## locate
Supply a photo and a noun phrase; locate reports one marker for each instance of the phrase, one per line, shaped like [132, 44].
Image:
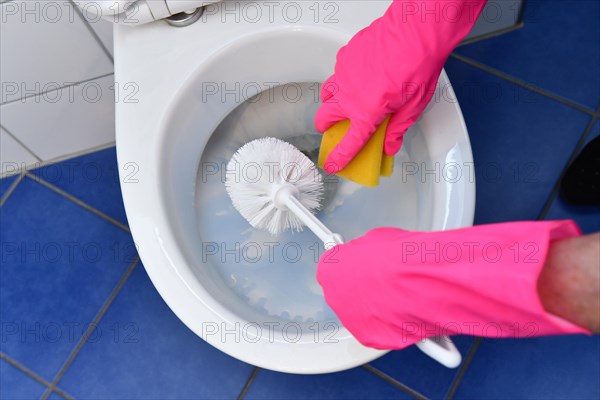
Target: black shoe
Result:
[581, 183]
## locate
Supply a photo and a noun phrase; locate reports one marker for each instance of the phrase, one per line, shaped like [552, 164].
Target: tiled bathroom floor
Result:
[80, 317]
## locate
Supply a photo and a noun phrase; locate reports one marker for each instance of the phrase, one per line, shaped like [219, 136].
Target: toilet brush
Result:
[276, 187]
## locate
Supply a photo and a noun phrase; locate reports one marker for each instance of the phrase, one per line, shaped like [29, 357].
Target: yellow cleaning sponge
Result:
[369, 164]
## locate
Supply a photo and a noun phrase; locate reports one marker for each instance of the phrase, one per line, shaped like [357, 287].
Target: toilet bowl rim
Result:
[159, 276]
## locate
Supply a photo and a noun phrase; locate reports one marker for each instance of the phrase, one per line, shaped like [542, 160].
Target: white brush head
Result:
[258, 169]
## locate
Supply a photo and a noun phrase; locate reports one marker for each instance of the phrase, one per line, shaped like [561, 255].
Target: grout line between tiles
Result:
[16, 139]
[78, 202]
[24, 369]
[32, 374]
[91, 328]
[463, 369]
[92, 31]
[11, 189]
[574, 154]
[248, 383]
[394, 382]
[490, 35]
[522, 83]
[61, 158]
[22, 99]
[62, 393]
[69, 156]
[76, 154]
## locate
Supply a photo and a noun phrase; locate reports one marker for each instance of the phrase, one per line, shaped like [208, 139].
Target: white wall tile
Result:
[102, 27]
[65, 121]
[13, 156]
[45, 44]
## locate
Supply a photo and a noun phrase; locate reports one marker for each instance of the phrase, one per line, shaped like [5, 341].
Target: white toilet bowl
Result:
[203, 91]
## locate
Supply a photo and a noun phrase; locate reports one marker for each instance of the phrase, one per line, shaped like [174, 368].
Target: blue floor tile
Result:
[146, 352]
[587, 217]
[521, 142]
[421, 373]
[92, 178]
[357, 383]
[16, 385]
[5, 184]
[557, 49]
[565, 367]
[59, 264]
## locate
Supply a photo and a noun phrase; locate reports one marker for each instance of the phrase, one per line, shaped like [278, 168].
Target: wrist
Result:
[569, 284]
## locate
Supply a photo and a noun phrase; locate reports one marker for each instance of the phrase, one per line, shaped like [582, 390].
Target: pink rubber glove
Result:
[391, 288]
[391, 67]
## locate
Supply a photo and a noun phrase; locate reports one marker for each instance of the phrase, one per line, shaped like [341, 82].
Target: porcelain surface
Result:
[231, 83]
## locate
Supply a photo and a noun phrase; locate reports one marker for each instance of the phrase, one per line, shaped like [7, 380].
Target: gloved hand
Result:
[391, 288]
[391, 67]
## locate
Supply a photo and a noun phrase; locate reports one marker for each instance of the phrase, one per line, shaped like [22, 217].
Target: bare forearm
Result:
[569, 285]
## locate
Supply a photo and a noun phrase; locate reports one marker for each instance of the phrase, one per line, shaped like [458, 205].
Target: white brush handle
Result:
[440, 348]
[286, 196]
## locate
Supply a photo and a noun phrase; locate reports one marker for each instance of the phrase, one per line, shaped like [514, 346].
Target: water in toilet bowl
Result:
[276, 274]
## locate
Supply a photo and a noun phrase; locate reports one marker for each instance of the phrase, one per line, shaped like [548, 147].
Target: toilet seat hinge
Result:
[184, 19]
